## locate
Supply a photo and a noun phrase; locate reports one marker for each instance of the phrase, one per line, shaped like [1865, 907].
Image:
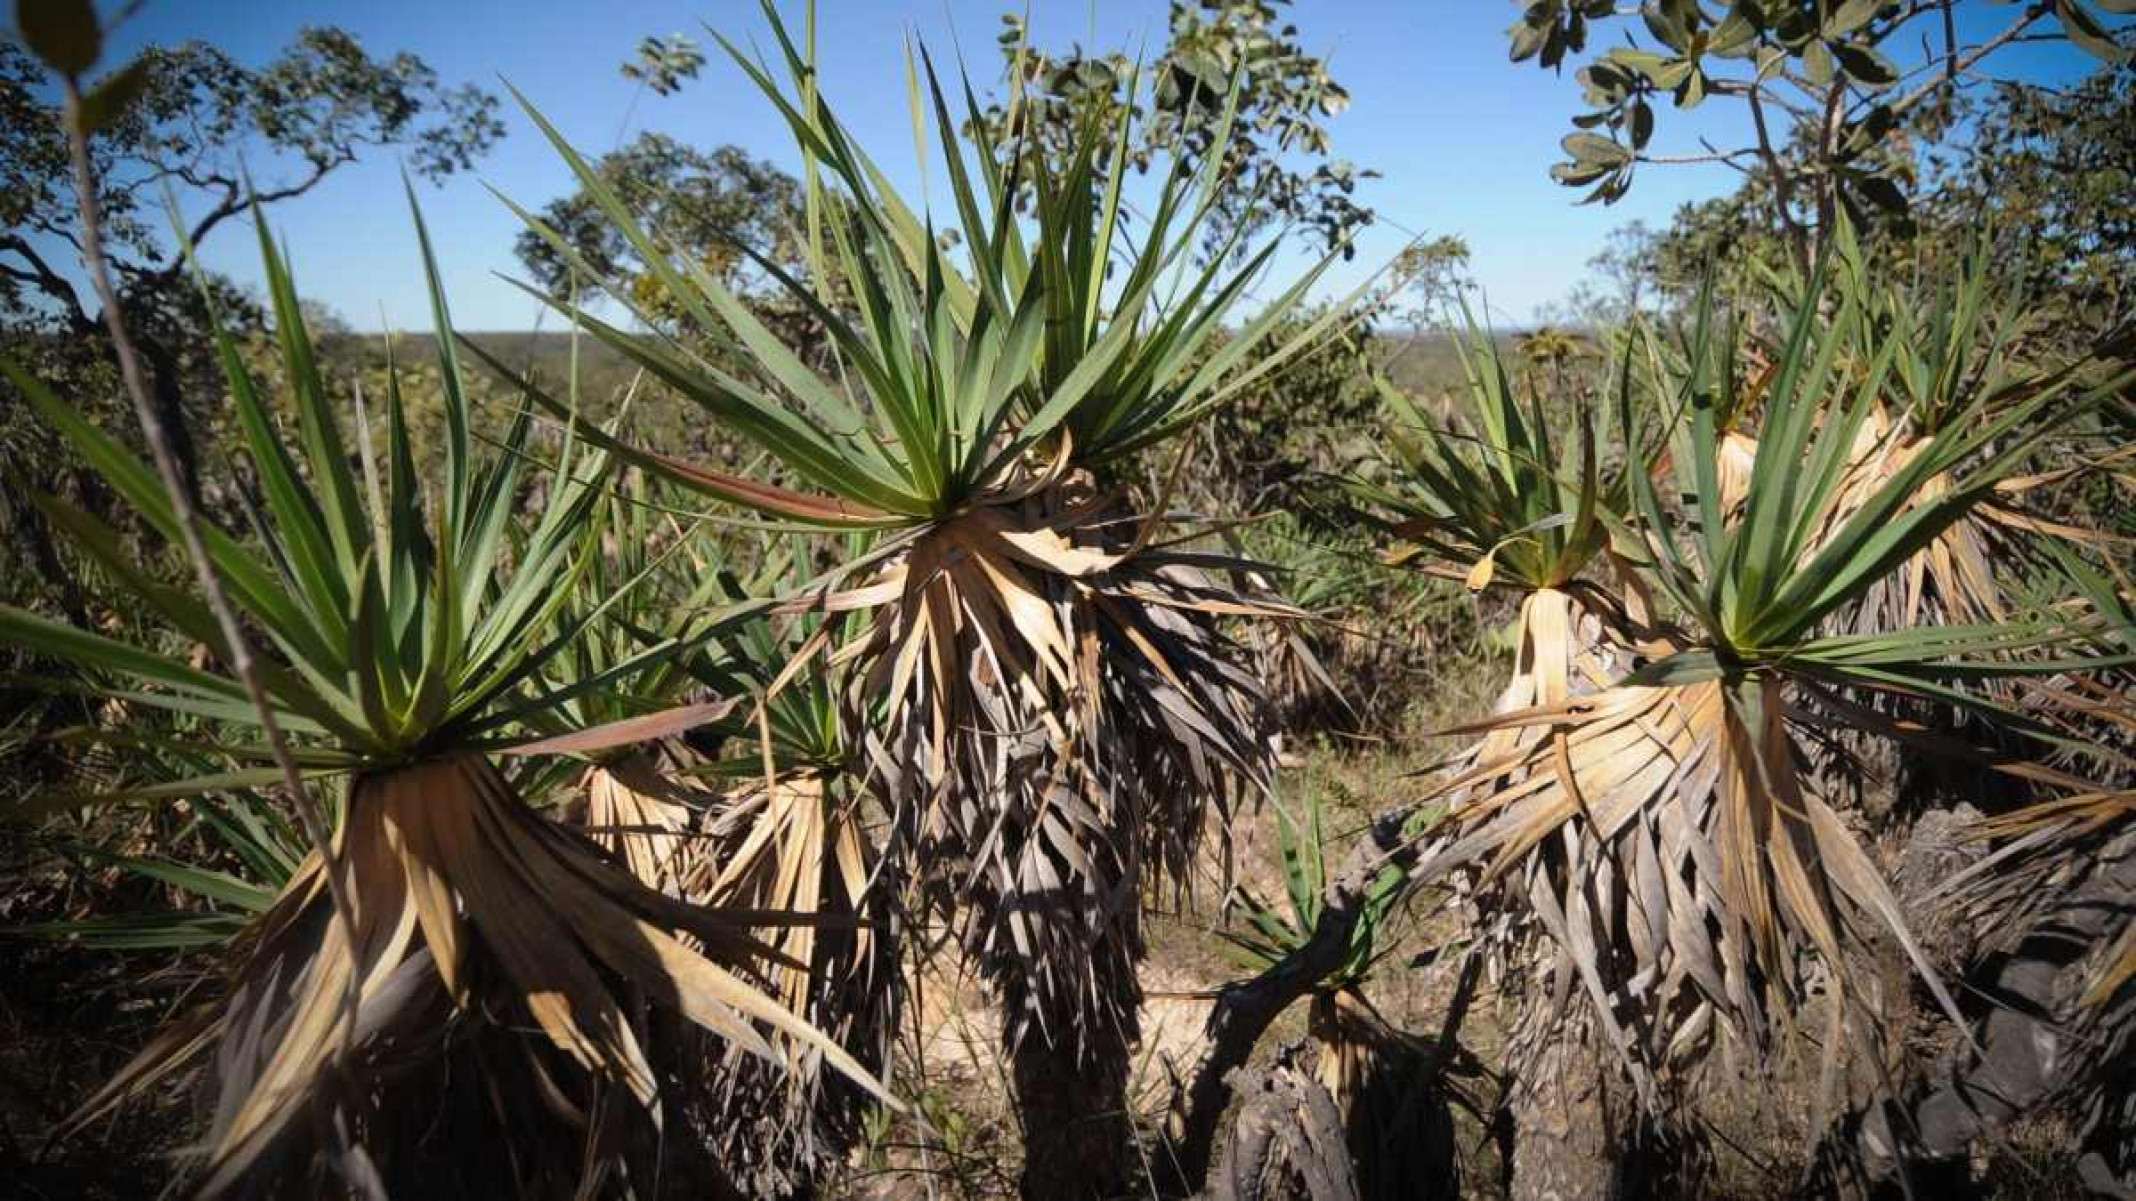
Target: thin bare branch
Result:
[309, 811]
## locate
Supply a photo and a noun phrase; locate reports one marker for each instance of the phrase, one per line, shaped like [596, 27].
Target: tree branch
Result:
[1244, 1011]
[1724, 157]
[1783, 187]
[2033, 12]
[1827, 145]
[47, 281]
[309, 813]
[235, 201]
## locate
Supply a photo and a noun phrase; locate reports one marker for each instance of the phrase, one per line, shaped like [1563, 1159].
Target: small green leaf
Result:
[2085, 30]
[1674, 72]
[1693, 91]
[109, 100]
[1851, 16]
[1574, 175]
[1866, 65]
[61, 33]
[1594, 148]
[1666, 29]
[1733, 37]
[1817, 63]
[1526, 40]
[1646, 62]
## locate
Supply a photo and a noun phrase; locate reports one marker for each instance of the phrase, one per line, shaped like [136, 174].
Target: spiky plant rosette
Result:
[1273, 931]
[404, 629]
[1955, 353]
[1394, 1090]
[789, 830]
[749, 809]
[649, 609]
[1035, 666]
[1498, 500]
[1340, 667]
[1705, 882]
[1510, 498]
[1958, 352]
[1488, 499]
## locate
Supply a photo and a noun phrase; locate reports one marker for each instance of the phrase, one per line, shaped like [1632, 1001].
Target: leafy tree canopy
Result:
[710, 205]
[1822, 80]
[196, 122]
[1279, 157]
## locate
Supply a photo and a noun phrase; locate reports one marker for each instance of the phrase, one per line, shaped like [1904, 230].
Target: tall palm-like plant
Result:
[1957, 355]
[790, 830]
[755, 809]
[1511, 498]
[409, 625]
[1704, 878]
[1039, 681]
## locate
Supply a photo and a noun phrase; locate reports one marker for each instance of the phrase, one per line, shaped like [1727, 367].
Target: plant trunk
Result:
[1287, 1142]
[1392, 1093]
[1071, 1098]
[2040, 1045]
[1568, 1124]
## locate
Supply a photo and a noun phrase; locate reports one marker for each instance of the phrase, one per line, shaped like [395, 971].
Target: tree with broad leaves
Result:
[189, 122]
[2051, 172]
[718, 206]
[216, 136]
[1278, 157]
[1819, 78]
[2044, 172]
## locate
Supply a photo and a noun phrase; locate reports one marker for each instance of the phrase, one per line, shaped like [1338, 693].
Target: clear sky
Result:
[1462, 138]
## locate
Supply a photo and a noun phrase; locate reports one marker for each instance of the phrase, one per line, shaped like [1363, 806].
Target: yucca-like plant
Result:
[1955, 354]
[1510, 497]
[647, 611]
[1695, 872]
[1290, 656]
[790, 830]
[1038, 679]
[753, 808]
[409, 627]
[1275, 930]
[246, 851]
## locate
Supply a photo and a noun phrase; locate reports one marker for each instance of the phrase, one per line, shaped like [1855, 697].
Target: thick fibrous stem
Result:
[1071, 1097]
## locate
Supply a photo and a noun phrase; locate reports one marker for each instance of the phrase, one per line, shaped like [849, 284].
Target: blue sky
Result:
[1461, 137]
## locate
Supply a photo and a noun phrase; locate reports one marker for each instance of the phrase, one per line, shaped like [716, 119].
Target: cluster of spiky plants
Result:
[1009, 706]
[1032, 668]
[792, 829]
[1363, 648]
[413, 628]
[1644, 792]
